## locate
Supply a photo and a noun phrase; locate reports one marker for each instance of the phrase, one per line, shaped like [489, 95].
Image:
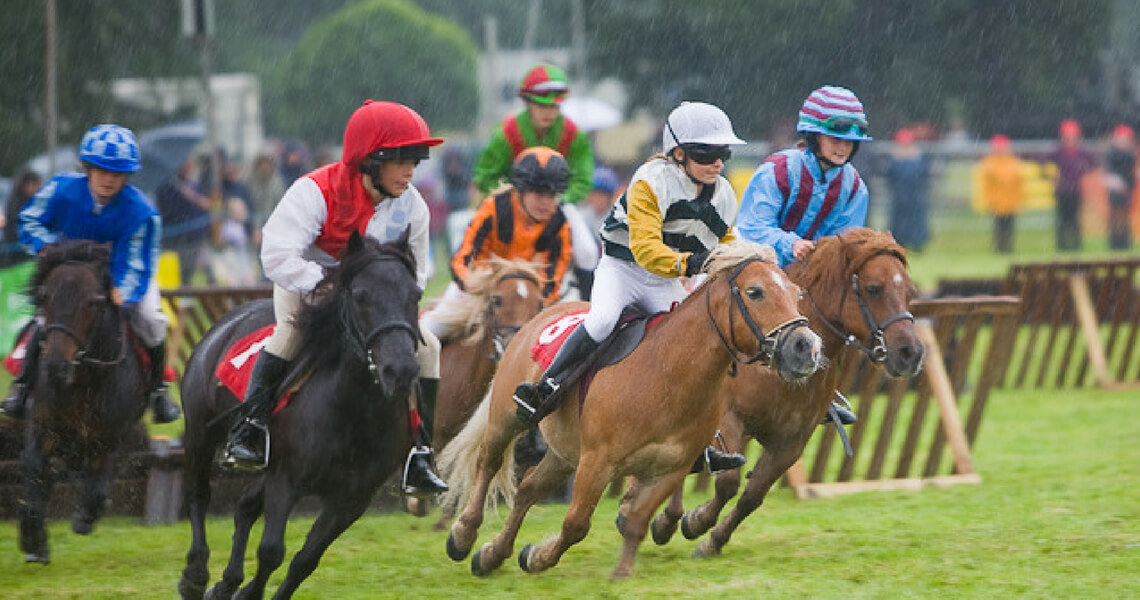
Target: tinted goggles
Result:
[416, 153]
[844, 125]
[703, 154]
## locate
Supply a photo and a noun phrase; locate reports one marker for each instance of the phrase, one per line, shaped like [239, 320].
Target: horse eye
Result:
[360, 296]
[755, 293]
[496, 301]
[875, 291]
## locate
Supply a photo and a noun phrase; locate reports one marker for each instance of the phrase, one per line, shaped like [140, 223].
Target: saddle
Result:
[621, 343]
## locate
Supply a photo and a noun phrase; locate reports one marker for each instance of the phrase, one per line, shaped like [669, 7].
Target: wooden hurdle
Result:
[898, 442]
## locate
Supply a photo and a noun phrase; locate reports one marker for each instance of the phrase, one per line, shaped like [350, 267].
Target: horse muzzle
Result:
[905, 359]
[799, 354]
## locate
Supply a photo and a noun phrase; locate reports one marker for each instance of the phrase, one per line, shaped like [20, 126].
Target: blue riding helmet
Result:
[111, 147]
[605, 179]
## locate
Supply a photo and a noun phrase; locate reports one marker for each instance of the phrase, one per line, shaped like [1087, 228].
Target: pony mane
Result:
[726, 256]
[93, 254]
[468, 313]
[836, 257]
[323, 321]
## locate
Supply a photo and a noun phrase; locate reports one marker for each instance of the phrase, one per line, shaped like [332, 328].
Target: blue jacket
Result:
[790, 198]
[65, 209]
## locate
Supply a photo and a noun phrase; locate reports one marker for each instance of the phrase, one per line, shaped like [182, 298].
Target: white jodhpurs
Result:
[618, 284]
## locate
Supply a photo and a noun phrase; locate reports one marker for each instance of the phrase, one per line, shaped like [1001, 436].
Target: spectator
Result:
[1072, 162]
[294, 162]
[908, 175]
[1002, 183]
[265, 190]
[232, 262]
[185, 211]
[1120, 164]
[26, 186]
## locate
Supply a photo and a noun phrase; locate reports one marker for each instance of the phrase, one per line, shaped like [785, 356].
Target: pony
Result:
[343, 433]
[90, 387]
[649, 415]
[856, 294]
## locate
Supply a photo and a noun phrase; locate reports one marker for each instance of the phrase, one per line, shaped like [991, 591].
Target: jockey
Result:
[804, 193]
[368, 191]
[676, 209]
[523, 222]
[542, 123]
[100, 206]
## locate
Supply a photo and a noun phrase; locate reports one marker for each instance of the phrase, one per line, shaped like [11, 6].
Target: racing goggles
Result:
[704, 154]
[415, 153]
[843, 125]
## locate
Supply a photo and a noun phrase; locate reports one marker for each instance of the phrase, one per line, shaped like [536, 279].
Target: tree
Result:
[381, 49]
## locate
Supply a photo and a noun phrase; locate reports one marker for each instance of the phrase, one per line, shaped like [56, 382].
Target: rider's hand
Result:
[800, 248]
[695, 262]
[117, 296]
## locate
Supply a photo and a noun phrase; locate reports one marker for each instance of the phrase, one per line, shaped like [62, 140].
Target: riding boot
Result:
[15, 405]
[845, 415]
[717, 461]
[248, 446]
[531, 398]
[165, 410]
[419, 478]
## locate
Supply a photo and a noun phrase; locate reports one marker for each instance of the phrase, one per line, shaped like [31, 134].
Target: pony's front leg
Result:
[37, 488]
[665, 525]
[196, 495]
[246, 512]
[96, 487]
[593, 476]
[333, 520]
[649, 496]
[771, 465]
[279, 500]
[492, 453]
[539, 482]
[697, 521]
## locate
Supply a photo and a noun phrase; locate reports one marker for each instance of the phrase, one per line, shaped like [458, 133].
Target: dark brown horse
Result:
[90, 389]
[856, 292]
[341, 436]
[650, 415]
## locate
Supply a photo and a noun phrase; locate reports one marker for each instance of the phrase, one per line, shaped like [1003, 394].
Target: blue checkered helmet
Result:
[111, 147]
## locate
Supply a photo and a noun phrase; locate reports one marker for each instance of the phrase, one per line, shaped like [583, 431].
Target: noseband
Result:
[768, 342]
[83, 357]
[502, 333]
[876, 349]
[361, 345]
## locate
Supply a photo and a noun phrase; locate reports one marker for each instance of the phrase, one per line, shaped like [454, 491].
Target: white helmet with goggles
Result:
[697, 123]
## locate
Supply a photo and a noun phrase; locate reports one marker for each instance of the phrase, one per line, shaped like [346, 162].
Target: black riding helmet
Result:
[540, 169]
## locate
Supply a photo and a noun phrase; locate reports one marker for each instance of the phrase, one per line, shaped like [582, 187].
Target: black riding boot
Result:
[419, 478]
[248, 447]
[15, 405]
[531, 398]
[165, 410]
[717, 461]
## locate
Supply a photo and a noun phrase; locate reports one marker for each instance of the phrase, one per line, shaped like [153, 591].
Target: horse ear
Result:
[403, 239]
[355, 242]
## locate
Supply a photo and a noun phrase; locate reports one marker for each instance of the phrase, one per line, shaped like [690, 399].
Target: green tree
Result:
[382, 49]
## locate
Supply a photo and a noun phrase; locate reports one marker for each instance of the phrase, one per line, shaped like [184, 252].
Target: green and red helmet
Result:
[544, 84]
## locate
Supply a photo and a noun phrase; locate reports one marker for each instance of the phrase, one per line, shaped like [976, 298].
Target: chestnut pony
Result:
[649, 416]
[856, 292]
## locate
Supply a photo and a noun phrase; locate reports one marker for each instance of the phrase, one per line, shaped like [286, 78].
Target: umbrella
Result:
[163, 150]
[591, 114]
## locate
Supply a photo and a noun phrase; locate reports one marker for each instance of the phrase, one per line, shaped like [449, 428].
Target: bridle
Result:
[84, 357]
[876, 350]
[361, 345]
[769, 343]
[502, 333]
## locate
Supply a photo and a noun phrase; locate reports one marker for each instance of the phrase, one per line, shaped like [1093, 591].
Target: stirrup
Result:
[438, 486]
[527, 413]
[231, 462]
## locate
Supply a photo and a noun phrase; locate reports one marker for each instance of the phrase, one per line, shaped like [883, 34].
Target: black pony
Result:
[90, 389]
[345, 431]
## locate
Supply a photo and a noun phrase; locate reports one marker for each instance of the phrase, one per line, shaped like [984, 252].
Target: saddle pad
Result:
[235, 369]
[14, 362]
[551, 338]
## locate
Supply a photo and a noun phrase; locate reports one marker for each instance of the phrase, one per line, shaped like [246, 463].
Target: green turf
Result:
[1058, 516]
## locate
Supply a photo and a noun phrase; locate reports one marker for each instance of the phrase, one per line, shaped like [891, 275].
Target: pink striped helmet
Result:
[834, 111]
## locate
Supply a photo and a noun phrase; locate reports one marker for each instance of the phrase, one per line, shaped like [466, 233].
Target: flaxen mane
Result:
[835, 258]
[468, 313]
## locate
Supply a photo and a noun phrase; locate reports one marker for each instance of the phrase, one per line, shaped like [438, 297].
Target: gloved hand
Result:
[696, 261]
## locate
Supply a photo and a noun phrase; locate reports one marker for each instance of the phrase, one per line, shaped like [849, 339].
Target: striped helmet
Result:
[544, 84]
[111, 147]
[834, 111]
[540, 169]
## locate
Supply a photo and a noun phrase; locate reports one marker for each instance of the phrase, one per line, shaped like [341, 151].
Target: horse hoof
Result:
[476, 568]
[214, 593]
[706, 550]
[43, 559]
[619, 522]
[417, 507]
[453, 551]
[524, 554]
[687, 529]
[662, 533]
[189, 590]
[82, 526]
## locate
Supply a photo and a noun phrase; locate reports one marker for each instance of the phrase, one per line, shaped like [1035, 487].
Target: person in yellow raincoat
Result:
[1002, 178]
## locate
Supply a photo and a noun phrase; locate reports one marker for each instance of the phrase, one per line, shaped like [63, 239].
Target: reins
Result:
[768, 342]
[83, 356]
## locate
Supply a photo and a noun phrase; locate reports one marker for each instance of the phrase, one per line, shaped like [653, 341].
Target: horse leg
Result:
[334, 519]
[96, 487]
[593, 476]
[769, 468]
[279, 500]
[196, 495]
[37, 489]
[650, 495]
[539, 482]
[697, 521]
[491, 456]
[665, 525]
[246, 512]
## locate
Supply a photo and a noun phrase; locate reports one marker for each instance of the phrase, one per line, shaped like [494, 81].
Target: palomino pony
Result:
[650, 415]
[856, 292]
[344, 432]
[502, 296]
[90, 389]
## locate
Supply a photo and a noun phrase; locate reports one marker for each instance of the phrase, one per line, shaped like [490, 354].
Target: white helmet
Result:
[697, 123]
